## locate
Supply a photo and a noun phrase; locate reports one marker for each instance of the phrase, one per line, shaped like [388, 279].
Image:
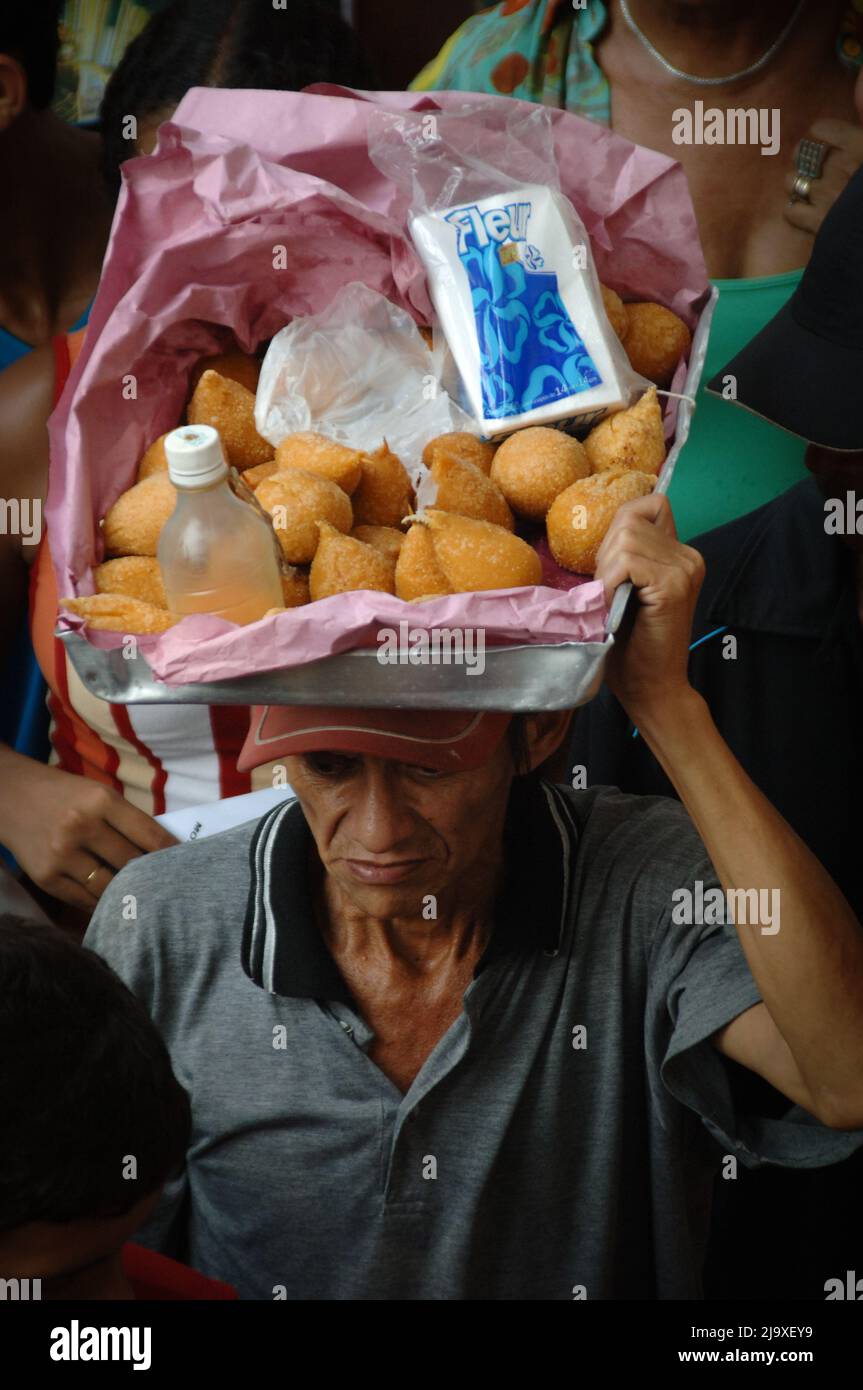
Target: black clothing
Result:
[778, 656]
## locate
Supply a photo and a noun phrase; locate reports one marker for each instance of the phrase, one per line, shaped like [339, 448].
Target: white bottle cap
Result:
[195, 456]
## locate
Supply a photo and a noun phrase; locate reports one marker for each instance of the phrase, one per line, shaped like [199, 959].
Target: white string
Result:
[678, 396]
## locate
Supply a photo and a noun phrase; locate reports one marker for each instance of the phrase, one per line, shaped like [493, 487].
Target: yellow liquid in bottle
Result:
[239, 604]
[217, 556]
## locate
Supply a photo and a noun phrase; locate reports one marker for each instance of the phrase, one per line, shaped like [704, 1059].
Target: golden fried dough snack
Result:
[132, 525]
[153, 460]
[616, 312]
[384, 494]
[579, 518]
[120, 613]
[230, 409]
[476, 555]
[138, 576]
[418, 574]
[236, 366]
[630, 438]
[295, 587]
[319, 454]
[386, 539]
[465, 448]
[463, 488]
[532, 466]
[253, 476]
[297, 501]
[656, 341]
[343, 564]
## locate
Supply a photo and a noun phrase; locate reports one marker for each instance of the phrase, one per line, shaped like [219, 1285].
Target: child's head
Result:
[93, 1120]
[223, 43]
[29, 44]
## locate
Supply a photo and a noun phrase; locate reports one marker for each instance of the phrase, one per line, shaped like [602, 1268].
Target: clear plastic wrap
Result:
[360, 372]
[510, 267]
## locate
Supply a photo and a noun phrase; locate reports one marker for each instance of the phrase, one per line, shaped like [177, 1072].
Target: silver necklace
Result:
[712, 81]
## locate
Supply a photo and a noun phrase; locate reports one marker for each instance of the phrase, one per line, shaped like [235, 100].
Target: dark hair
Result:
[226, 43]
[516, 737]
[85, 1083]
[519, 748]
[31, 33]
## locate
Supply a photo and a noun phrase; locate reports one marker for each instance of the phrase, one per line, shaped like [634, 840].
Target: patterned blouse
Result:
[542, 50]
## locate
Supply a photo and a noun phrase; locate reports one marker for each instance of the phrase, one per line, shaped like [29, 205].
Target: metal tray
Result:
[534, 677]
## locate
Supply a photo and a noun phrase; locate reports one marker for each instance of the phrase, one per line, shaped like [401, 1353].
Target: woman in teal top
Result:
[733, 462]
[631, 67]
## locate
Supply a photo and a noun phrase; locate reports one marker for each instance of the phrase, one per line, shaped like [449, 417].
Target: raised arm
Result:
[806, 1038]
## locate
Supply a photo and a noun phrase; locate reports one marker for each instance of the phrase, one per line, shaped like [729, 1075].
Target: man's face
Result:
[74, 1259]
[390, 833]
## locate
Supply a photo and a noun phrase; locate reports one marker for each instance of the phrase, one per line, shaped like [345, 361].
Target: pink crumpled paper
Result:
[190, 268]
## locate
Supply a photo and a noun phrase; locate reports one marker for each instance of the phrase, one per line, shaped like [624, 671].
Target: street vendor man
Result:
[451, 1031]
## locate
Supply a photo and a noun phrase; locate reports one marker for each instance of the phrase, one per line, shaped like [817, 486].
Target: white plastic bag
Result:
[510, 267]
[359, 372]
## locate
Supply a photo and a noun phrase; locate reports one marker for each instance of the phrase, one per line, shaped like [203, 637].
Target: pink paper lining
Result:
[207, 649]
[190, 266]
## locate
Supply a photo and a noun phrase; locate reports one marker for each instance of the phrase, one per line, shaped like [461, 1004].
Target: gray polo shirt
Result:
[559, 1142]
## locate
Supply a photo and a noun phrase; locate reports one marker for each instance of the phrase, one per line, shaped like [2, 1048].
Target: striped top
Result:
[159, 757]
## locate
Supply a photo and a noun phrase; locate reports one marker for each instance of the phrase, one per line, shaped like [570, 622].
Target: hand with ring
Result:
[70, 834]
[824, 162]
[98, 879]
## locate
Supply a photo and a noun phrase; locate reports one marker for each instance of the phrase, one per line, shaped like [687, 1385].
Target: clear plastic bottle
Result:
[215, 553]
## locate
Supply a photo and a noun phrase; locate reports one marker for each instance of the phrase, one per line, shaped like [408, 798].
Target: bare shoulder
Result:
[26, 401]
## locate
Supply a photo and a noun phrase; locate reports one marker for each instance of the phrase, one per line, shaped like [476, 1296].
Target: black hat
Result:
[804, 370]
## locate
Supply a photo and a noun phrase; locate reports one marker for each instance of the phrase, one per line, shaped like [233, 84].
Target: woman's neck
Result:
[719, 36]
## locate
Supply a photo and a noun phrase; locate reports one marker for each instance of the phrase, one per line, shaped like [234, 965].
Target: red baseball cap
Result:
[447, 740]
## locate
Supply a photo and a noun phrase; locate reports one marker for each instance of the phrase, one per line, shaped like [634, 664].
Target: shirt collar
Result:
[284, 953]
[777, 570]
[540, 841]
[283, 950]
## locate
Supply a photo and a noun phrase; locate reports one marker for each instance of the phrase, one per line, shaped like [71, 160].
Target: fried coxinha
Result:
[344, 517]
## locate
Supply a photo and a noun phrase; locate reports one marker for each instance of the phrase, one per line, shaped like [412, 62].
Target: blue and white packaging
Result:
[512, 280]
